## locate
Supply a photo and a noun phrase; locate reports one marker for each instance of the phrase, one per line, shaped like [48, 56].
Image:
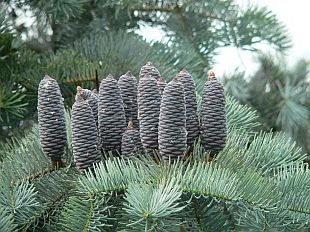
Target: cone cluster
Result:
[131, 142]
[159, 116]
[84, 134]
[51, 118]
[128, 86]
[172, 121]
[148, 111]
[111, 115]
[192, 122]
[213, 116]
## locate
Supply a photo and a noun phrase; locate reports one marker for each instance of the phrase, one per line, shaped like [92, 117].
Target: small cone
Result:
[111, 115]
[131, 142]
[51, 117]
[148, 111]
[192, 122]
[128, 86]
[84, 135]
[172, 121]
[149, 70]
[213, 116]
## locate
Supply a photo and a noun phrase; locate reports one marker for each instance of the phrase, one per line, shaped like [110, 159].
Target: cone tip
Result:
[149, 63]
[47, 77]
[110, 76]
[128, 73]
[183, 71]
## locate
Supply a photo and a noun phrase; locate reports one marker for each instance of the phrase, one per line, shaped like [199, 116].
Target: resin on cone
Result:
[149, 70]
[128, 86]
[111, 115]
[192, 122]
[51, 117]
[84, 135]
[131, 142]
[172, 121]
[213, 116]
[148, 111]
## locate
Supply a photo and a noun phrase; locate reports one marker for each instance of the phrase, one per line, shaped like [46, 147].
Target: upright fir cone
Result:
[51, 117]
[213, 116]
[111, 115]
[161, 83]
[148, 111]
[128, 86]
[131, 142]
[192, 123]
[84, 134]
[92, 99]
[149, 70]
[172, 121]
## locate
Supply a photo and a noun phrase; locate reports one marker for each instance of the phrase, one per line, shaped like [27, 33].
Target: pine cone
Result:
[161, 83]
[92, 99]
[84, 135]
[128, 86]
[51, 117]
[111, 115]
[149, 70]
[131, 142]
[172, 121]
[213, 117]
[192, 123]
[148, 111]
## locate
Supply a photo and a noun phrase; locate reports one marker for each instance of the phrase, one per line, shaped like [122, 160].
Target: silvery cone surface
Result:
[172, 121]
[111, 115]
[192, 122]
[84, 135]
[128, 86]
[51, 118]
[213, 116]
[148, 111]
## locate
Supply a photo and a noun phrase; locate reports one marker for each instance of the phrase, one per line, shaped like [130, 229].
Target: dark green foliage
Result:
[111, 115]
[278, 94]
[51, 118]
